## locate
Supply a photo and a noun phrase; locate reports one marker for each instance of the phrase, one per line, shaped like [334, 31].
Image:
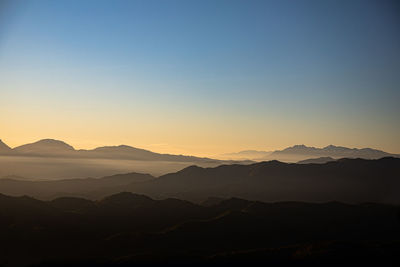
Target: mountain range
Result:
[321, 211]
[320, 160]
[128, 229]
[54, 159]
[57, 148]
[346, 180]
[302, 152]
[4, 148]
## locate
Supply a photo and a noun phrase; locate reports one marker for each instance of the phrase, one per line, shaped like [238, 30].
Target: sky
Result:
[201, 77]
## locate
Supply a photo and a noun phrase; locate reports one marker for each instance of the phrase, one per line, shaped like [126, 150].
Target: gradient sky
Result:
[201, 77]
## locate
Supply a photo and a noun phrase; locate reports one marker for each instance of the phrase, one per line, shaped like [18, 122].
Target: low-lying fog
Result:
[62, 168]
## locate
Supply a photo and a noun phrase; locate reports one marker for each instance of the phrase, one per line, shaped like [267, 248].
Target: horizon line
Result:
[171, 153]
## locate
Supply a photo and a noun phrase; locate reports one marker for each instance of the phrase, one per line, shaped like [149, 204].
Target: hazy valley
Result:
[54, 159]
[199, 133]
[202, 211]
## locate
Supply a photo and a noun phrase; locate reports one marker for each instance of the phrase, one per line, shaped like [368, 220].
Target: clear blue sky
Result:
[201, 77]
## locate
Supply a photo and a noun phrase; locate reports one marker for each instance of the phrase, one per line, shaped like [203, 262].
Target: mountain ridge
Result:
[346, 180]
[127, 229]
[302, 152]
[320, 160]
[53, 147]
[44, 146]
[333, 151]
[4, 148]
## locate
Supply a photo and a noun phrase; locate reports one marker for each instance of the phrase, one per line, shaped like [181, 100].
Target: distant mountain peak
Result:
[49, 141]
[4, 147]
[301, 152]
[124, 146]
[271, 162]
[300, 146]
[57, 148]
[333, 147]
[329, 147]
[121, 148]
[45, 145]
[297, 148]
[191, 169]
[330, 151]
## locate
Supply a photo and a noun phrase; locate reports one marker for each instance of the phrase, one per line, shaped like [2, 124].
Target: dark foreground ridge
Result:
[126, 228]
[345, 180]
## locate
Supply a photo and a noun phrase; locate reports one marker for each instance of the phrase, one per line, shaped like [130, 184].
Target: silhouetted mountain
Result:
[53, 159]
[4, 148]
[121, 151]
[50, 147]
[129, 229]
[347, 180]
[45, 146]
[128, 152]
[320, 160]
[301, 152]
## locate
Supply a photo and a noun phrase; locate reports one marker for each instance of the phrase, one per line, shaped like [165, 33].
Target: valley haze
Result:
[200, 133]
[55, 159]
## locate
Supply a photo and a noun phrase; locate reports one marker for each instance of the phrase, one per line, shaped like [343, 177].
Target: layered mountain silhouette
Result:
[324, 210]
[45, 146]
[347, 180]
[316, 160]
[130, 229]
[51, 147]
[328, 151]
[302, 152]
[54, 159]
[4, 149]
[89, 187]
